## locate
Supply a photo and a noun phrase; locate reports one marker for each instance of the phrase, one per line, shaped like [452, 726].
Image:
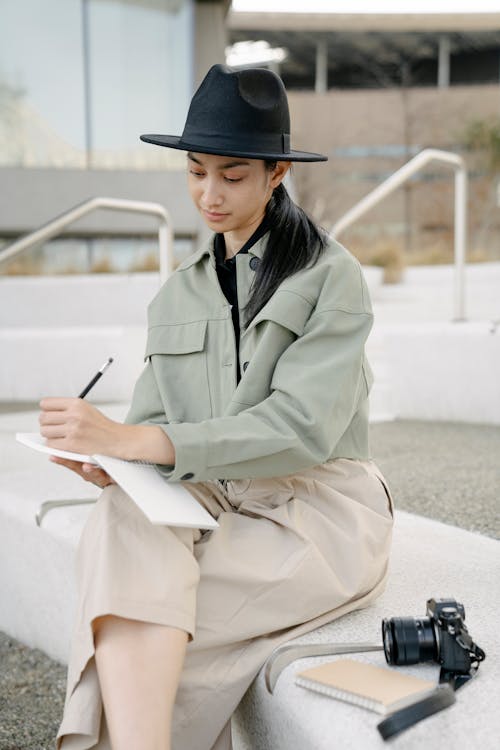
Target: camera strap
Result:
[406, 717]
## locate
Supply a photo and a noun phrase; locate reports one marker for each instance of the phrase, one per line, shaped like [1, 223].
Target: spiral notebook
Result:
[380, 689]
[164, 503]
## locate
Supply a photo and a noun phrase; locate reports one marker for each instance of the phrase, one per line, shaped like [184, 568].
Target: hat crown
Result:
[240, 109]
[238, 113]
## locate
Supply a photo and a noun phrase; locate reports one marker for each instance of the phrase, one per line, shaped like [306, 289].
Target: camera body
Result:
[440, 636]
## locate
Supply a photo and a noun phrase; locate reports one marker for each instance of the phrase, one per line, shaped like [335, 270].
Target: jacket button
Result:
[188, 475]
[245, 365]
[254, 263]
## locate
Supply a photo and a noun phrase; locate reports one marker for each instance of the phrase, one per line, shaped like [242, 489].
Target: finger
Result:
[51, 417]
[68, 464]
[56, 404]
[54, 436]
[91, 468]
[53, 432]
[74, 465]
[96, 474]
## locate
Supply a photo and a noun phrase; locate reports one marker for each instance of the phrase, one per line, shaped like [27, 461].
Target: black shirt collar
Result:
[220, 245]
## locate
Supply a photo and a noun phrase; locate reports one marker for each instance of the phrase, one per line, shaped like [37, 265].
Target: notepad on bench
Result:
[164, 503]
[380, 689]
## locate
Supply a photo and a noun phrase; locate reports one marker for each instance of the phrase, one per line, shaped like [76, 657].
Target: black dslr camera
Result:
[441, 636]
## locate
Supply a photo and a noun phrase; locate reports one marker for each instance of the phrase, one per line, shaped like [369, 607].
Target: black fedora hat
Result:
[238, 113]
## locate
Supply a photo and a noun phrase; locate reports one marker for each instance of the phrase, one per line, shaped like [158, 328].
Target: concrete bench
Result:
[37, 585]
[38, 604]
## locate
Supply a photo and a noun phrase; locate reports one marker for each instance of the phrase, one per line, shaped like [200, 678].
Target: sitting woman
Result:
[254, 394]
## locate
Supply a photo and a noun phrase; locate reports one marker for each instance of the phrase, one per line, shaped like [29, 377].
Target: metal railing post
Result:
[460, 242]
[55, 226]
[460, 210]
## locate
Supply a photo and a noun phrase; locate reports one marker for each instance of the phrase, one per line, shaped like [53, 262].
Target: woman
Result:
[254, 394]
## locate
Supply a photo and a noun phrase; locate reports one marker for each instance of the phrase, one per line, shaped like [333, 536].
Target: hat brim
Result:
[172, 141]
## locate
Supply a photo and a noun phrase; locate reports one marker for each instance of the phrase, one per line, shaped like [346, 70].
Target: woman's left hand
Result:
[73, 424]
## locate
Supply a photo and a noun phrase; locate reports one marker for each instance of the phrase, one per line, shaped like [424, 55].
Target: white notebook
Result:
[164, 503]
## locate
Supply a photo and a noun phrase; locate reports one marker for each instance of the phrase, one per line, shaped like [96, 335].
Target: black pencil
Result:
[95, 378]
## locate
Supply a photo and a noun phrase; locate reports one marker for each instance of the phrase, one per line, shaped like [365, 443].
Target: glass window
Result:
[41, 84]
[140, 78]
[78, 74]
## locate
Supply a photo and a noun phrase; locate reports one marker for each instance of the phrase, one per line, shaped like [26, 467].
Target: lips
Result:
[214, 216]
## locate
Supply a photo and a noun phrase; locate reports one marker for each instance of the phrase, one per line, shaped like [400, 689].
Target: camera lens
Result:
[409, 640]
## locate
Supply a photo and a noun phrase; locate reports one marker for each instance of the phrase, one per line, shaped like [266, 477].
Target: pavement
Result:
[446, 471]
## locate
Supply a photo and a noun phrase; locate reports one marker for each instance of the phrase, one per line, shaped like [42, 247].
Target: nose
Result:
[211, 195]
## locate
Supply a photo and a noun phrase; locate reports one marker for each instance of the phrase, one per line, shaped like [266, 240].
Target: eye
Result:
[233, 179]
[196, 174]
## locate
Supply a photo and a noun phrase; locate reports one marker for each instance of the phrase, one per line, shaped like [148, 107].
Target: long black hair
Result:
[295, 242]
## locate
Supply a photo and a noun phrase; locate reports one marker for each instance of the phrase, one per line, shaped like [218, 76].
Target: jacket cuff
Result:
[190, 443]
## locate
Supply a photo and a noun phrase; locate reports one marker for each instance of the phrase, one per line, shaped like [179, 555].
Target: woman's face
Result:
[231, 193]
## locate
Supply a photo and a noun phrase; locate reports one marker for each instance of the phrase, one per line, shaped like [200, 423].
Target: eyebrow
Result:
[234, 163]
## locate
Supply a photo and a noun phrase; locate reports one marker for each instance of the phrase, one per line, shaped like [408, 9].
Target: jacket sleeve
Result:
[317, 386]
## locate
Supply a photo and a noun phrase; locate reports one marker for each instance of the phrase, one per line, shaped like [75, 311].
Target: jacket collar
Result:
[208, 249]
[259, 247]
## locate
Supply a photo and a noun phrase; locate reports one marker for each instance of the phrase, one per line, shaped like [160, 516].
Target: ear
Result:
[279, 173]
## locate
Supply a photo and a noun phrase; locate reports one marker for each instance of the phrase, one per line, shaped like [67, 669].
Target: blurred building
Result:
[371, 91]
[80, 80]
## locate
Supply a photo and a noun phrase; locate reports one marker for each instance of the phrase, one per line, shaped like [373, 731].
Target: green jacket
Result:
[303, 394]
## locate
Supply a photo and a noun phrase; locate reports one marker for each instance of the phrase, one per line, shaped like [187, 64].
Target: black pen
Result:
[95, 378]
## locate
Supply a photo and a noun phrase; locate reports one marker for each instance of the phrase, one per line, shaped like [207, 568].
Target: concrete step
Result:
[426, 294]
[441, 371]
[381, 406]
[76, 300]
[39, 362]
[89, 299]
[56, 331]
[381, 400]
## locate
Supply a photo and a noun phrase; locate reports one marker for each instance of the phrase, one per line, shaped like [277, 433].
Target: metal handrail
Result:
[460, 218]
[55, 226]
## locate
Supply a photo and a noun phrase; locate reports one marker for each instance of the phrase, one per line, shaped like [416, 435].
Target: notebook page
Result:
[37, 442]
[168, 503]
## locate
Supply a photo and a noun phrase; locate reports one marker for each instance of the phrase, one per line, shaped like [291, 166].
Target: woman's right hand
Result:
[88, 472]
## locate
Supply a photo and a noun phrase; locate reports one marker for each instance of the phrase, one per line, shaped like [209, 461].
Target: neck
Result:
[236, 238]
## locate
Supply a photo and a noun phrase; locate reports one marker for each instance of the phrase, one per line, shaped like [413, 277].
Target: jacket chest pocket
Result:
[280, 322]
[179, 359]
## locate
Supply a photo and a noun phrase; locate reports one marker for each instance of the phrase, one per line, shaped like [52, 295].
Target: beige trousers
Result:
[290, 554]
